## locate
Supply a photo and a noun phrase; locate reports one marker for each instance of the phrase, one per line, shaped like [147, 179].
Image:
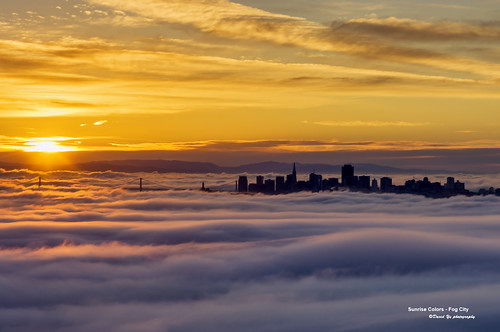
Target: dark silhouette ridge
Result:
[161, 166]
[178, 166]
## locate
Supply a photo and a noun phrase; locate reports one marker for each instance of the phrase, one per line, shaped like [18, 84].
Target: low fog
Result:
[89, 252]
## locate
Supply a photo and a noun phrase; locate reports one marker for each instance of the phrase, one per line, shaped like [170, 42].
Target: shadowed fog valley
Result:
[81, 253]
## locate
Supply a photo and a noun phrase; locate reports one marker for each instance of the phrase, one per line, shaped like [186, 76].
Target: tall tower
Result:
[347, 174]
[385, 184]
[450, 183]
[291, 180]
[243, 184]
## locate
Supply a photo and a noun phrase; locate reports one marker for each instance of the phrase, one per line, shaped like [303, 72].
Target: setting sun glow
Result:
[45, 146]
[244, 81]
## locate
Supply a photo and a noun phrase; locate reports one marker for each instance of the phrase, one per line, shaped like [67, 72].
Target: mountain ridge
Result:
[179, 166]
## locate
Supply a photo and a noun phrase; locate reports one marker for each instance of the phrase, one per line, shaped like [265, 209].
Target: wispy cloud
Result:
[411, 30]
[108, 68]
[39, 144]
[233, 20]
[467, 131]
[106, 143]
[446, 6]
[277, 146]
[188, 64]
[369, 123]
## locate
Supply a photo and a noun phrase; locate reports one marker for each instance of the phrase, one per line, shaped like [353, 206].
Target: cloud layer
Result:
[165, 72]
[82, 253]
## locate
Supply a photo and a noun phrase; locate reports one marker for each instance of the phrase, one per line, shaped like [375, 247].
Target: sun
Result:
[42, 145]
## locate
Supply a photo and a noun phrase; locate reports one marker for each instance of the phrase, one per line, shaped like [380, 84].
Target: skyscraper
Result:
[291, 180]
[269, 186]
[315, 182]
[347, 174]
[280, 184]
[364, 182]
[385, 184]
[242, 184]
[450, 183]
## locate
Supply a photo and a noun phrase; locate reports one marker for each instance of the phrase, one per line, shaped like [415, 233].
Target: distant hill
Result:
[161, 166]
[177, 166]
[8, 166]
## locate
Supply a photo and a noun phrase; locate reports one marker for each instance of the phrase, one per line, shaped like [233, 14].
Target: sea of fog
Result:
[89, 252]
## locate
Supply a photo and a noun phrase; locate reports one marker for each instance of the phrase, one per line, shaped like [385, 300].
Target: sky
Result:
[212, 80]
[83, 253]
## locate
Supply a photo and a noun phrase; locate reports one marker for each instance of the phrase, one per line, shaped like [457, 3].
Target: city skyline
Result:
[249, 165]
[351, 182]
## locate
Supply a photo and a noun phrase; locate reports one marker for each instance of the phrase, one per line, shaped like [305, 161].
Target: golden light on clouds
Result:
[128, 75]
[45, 146]
[50, 144]
[368, 124]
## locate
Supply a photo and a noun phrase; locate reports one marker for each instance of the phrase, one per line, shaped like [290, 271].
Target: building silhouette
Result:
[385, 184]
[242, 184]
[260, 180]
[450, 183]
[364, 182]
[291, 180]
[315, 182]
[280, 184]
[349, 181]
[347, 175]
[333, 183]
[269, 186]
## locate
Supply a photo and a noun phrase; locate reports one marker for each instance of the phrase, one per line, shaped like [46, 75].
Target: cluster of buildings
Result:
[352, 182]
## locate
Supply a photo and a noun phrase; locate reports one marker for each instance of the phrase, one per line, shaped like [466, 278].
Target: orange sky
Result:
[101, 75]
